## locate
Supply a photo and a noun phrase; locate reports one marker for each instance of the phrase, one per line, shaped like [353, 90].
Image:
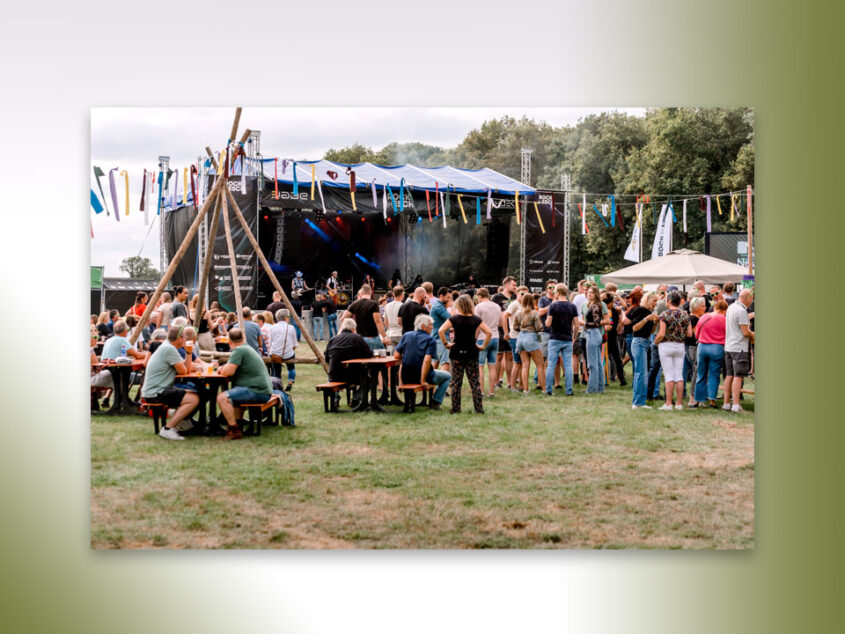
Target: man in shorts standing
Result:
[250, 382]
[490, 314]
[158, 386]
[738, 336]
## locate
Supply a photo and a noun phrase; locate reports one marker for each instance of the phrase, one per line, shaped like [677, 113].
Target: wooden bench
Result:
[258, 412]
[329, 390]
[410, 391]
[158, 412]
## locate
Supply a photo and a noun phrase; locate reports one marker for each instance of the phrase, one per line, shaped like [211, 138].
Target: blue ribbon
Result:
[612, 211]
[295, 183]
[672, 209]
[478, 210]
[598, 213]
[392, 200]
[401, 195]
[95, 202]
[160, 181]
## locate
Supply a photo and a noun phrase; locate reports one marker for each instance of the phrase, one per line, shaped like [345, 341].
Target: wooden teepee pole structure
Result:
[233, 262]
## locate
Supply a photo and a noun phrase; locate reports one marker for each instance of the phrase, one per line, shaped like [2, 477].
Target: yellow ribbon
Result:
[313, 178]
[733, 206]
[185, 188]
[719, 205]
[126, 181]
[540, 220]
[461, 205]
[516, 202]
[221, 163]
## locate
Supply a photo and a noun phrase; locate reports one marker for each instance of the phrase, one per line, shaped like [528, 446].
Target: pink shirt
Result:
[711, 329]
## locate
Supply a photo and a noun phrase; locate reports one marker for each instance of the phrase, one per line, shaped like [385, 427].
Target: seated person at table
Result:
[345, 345]
[159, 337]
[416, 349]
[250, 382]
[112, 348]
[159, 387]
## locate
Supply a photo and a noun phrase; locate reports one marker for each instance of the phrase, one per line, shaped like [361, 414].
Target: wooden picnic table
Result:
[209, 420]
[379, 364]
[121, 372]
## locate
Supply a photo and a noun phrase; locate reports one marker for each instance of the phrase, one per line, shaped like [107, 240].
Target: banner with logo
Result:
[633, 252]
[543, 250]
[663, 238]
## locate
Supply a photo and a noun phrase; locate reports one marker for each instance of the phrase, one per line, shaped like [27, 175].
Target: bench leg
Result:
[326, 401]
[410, 402]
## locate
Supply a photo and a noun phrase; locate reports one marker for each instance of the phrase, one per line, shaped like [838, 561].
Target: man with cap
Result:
[298, 283]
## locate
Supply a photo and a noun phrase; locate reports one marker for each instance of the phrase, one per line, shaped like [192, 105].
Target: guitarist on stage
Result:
[332, 286]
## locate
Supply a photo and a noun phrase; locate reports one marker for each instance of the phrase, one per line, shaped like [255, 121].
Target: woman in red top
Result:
[140, 304]
[710, 332]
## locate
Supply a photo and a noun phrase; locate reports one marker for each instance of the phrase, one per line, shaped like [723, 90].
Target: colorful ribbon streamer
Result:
[436, 198]
[313, 178]
[160, 185]
[685, 215]
[443, 200]
[143, 190]
[295, 182]
[733, 206]
[583, 210]
[375, 194]
[709, 226]
[401, 195]
[384, 202]
[428, 204]
[598, 213]
[447, 207]
[174, 197]
[352, 186]
[477, 210]
[489, 204]
[276, 178]
[461, 205]
[539, 219]
[320, 189]
[97, 174]
[95, 203]
[612, 210]
[718, 204]
[516, 207]
[113, 190]
[125, 175]
[392, 200]
[672, 209]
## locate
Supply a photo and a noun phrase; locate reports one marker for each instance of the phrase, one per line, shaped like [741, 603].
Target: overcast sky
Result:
[133, 138]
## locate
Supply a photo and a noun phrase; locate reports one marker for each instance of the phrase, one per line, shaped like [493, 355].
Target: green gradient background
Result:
[784, 59]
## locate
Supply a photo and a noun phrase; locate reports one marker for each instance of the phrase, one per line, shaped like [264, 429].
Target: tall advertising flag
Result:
[663, 236]
[633, 252]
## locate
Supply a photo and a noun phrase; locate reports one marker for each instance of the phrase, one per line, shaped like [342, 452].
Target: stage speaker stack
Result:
[497, 244]
[291, 235]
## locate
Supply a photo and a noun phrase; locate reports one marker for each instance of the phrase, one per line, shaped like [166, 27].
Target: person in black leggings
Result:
[613, 338]
[463, 353]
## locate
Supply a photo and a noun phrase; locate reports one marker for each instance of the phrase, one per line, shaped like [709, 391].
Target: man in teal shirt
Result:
[250, 382]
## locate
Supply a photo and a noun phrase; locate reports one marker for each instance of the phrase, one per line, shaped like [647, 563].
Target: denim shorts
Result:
[514, 353]
[240, 395]
[442, 352]
[375, 343]
[527, 342]
[488, 355]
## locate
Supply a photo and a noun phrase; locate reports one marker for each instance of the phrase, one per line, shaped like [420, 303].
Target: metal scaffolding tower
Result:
[202, 237]
[565, 185]
[163, 166]
[526, 180]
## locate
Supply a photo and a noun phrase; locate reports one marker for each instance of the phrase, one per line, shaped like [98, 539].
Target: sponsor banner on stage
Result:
[543, 243]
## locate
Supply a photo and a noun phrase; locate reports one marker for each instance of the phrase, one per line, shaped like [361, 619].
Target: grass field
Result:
[533, 472]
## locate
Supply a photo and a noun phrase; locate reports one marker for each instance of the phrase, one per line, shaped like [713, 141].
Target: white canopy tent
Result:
[683, 266]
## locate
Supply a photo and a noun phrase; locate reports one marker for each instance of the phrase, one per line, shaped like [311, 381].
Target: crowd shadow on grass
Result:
[533, 472]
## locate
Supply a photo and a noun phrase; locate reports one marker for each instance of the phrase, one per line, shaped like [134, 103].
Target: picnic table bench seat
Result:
[329, 389]
[410, 391]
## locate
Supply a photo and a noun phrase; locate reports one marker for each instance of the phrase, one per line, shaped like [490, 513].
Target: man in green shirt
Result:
[250, 382]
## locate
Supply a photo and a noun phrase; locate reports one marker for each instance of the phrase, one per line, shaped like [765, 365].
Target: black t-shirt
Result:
[297, 307]
[178, 309]
[343, 346]
[362, 310]
[275, 306]
[203, 325]
[502, 300]
[690, 341]
[562, 313]
[408, 313]
[464, 349]
[103, 330]
[317, 308]
[636, 315]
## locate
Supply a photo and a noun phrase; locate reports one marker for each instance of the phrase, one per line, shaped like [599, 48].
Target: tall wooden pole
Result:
[235, 124]
[206, 269]
[750, 234]
[177, 258]
[233, 263]
[311, 343]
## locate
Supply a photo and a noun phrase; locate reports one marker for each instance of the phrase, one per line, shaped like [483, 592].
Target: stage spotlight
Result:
[319, 215]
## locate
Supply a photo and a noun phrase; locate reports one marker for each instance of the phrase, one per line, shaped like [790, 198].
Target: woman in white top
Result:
[282, 346]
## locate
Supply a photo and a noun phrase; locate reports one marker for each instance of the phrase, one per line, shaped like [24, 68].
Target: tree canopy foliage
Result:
[668, 152]
[139, 268]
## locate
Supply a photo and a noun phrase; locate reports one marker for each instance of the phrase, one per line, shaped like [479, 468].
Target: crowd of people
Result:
[697, 341]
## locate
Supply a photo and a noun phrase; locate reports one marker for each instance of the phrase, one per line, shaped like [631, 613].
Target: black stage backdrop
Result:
[543, 251]
[176, 224]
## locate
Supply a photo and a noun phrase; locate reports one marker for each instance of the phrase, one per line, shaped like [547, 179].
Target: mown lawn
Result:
[533, 472]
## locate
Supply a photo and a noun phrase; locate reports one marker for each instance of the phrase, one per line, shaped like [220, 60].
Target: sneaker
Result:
[692, 406]
[490, 395]
[548, 393]
[726, 407]
[538, 387]
[713, 404]
[666, 407]
[645, 406]
[737, 409]
[454, 411]
[170, 434]
[679, 407]
[184, 425]
[526, 392]
[289, 387]
[434, 405]
[558, 387]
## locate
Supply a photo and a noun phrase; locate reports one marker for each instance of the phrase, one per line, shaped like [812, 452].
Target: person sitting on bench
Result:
[250, 383]
[158, 387]
[345, 345]
[416, 349]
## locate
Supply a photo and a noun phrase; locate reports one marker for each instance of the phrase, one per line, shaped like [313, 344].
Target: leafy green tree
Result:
[356, 153]
[139, 268]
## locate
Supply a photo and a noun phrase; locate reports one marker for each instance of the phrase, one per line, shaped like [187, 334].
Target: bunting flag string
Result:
[477, 210]
[125, 175]
[539, 219]
[113, 193]
[97, 174]
[428, 204]
[276, 178]
[461, 205]
[314, 178]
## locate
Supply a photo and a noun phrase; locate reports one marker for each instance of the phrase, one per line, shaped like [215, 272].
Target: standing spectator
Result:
[282, 347]
[277, 304]
[331, 317]
[410, 309]
[674, 328]
[710, 333]
[368, 319]
[697, 309]
[490, 314]
[528, 326]
[596, 316]
[440, 313]
[415, 350]
[510, 318]
[391, 317]
[504, 357]
[250, 383]
[562, 322]
[463, 353]
[178, 307]
[318, 315]
[579, 346]
[296, 303]
[730, 295]
[613, 351]
[543, 302]
[738, 336]
[642, 322]
[252, 331]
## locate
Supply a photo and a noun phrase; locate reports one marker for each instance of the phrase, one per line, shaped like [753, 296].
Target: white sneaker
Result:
[170, 434]
[679, 407]
[640, 406]
[726, 407]
[666, 407]
[184, 425]
[737, 409]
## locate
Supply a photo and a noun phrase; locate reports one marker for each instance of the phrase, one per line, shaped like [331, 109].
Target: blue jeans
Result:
[375, 343]
[655, 371]
[296, 328]
[595, 384]
[564, 350]
[239, 395]
[710, 356]
[639, 358]
[332, 319]
[690, 355]
[441, 379]
[318, 327]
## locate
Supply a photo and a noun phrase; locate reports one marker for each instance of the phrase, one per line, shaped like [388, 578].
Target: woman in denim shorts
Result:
[528, 324]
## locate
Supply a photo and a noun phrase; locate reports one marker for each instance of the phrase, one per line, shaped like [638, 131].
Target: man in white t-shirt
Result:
[391, 316]
[579, 344]
[738, 336]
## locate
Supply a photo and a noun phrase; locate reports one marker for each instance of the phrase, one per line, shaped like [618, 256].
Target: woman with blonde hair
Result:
[642, 320]
[528, 326]
[103, 324]
[596, 317]
[463, 352]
